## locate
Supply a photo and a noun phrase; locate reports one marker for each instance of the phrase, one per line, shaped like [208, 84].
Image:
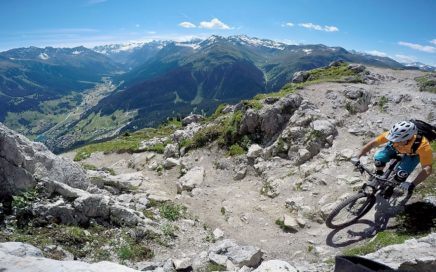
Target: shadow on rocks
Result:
[418, 217]
[346, 236]
[415, 218]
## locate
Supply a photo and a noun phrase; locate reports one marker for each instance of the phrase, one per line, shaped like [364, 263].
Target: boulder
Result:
[23, 163]
[20, 249]
[239, 255]
[290, 223]
[267, 122]
[218, 259]
[336, 63]
[357, 68]
[191, 179]
[186, 133]
[60, 210]
[171, 151]
[358, 100]
[218, 234]
[170, 163]
[153, 142]
[249, 122]
[93, 206]
[240, 172]
[10, 262]
[254, 151]
[245, 256]
[123, 216]
[412, 255]
[193, 118]
[276, 266]
[300, 76]
[326, 127]
[180, 264]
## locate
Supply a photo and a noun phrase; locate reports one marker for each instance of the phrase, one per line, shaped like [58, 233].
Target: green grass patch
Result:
[215, 267]
[169, 230]
[289, 88]
[204, 136]
[235, 150]
[382, 239]
[130, 142]
[230, 134]
[80, 242]
[24, 199]
[339, 73]
[218, 112]
[134, 252]
[172, 211]
[427, 83]
[382, 103]
[253, 104]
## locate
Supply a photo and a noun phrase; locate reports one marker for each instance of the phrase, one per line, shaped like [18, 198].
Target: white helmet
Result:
[402, 131]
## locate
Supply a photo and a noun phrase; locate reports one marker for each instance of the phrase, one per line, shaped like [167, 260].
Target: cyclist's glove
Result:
[407, 186]
[355, 161]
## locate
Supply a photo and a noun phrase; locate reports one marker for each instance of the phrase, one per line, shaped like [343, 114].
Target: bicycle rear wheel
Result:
[350, 210]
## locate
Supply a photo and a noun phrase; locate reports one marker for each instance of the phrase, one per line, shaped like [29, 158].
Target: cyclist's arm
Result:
[426, 160]
[425, 172]
[366, 148]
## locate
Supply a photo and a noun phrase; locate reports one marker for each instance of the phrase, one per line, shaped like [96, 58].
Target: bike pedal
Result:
[388, 193]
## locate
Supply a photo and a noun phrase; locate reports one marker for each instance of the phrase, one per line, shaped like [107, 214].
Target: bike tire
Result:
[366, 201]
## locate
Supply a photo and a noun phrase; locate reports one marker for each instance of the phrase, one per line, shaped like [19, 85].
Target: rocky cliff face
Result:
[198, 209]
[23, 163]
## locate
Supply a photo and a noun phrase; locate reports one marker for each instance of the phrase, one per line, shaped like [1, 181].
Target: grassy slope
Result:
[427, 83]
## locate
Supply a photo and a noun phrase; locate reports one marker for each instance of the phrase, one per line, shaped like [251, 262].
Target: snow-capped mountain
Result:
[420, 66]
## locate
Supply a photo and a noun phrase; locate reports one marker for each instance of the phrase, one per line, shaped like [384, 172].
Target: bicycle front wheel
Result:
[350, 210]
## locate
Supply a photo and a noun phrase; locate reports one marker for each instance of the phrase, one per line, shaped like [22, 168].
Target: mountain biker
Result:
[400, 139]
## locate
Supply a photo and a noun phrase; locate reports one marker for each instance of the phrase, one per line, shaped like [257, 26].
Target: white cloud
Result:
[320, 28]
[187, 25]
[215, 23]
[404, 59]
[423, 48]
[433, 41]
[289, 24]
[377, 53]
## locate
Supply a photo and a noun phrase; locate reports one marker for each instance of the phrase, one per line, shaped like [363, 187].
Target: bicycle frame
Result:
[376, 182]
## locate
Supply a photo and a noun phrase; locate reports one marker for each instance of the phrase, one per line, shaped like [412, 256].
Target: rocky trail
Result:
[245, 198]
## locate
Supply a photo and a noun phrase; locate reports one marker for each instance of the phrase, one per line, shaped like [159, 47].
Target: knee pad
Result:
[378, 163]
[401, 175]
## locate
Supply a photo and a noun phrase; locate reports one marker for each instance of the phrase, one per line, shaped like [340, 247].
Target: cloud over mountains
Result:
[215, 23]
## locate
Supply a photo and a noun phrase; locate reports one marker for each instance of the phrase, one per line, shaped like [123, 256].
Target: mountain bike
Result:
[353, 208]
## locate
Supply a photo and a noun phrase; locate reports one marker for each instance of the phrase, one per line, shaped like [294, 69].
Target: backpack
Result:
[424, 129]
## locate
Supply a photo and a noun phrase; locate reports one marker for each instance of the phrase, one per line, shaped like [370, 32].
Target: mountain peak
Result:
[420, 66]
[253, 41]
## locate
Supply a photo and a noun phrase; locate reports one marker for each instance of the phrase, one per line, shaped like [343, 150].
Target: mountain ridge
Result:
[154, 80]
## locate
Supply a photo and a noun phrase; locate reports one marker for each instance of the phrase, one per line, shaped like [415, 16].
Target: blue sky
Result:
[401, 29]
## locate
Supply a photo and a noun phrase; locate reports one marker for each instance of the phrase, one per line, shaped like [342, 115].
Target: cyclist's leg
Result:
[406, 167]
[383, 156]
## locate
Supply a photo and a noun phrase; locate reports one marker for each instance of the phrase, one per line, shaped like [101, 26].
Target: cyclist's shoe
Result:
[379, 172]
[388, 192]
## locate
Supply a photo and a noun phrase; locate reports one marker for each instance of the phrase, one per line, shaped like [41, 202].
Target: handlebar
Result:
[362, 169]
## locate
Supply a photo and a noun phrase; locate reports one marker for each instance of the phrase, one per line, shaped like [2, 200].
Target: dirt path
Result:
[238, 208]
